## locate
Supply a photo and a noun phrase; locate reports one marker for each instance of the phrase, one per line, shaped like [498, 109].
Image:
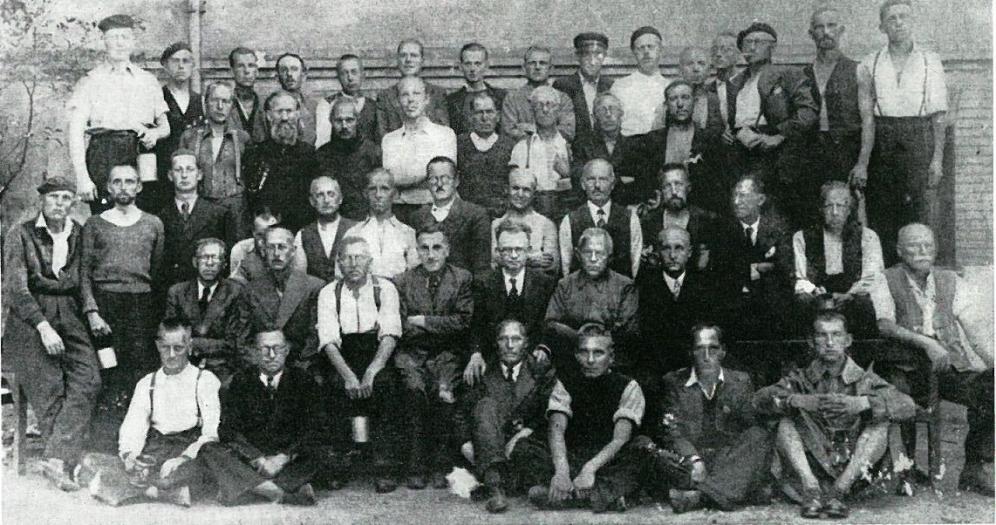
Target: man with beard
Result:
[318, 242]
[675, 210]
[466, 224]
[359, 325]
[483, 154]
[283, 298]
[517, 120]
[772, 115]
[189, 218]
[45, 340]
[607, 142]
[185, 111]
[693, 66]
[247, 114]
[474, 66]
[122, 262]
[546, 155]
[543, 252]
[276, 173]
[587, 458]
[218, 146]
[908, 93]
[834, 419]
[120, 107]
[838, 260]
[642, 92]
[437, 306]
[350, 74]
[600, 211]
[292, 73]
[208, 303]
[349, 156]
[392, 242]
[846, 132]
[408, 149]
[582, 88]
[391, 112]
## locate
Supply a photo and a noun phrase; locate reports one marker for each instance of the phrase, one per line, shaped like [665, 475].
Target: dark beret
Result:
[645, 30]
[116, 22]
[754, 28]
[583, 40]
[173, 49]
[57, 183]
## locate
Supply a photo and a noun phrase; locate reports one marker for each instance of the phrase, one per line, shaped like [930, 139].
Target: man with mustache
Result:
[391, 113]
[607, 142]
[587, 457]
[833, 421]
[546, 154]
[724, 57]
[675, 211]
[277, 172]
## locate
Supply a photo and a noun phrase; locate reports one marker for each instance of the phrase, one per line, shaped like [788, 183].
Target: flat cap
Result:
[645, 30]
[756, 27]
[583, 40]
[57, 183]
[173, 49]
[116, 22]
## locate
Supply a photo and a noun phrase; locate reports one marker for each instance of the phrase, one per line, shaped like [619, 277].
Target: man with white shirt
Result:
[391, 109]
[467, 225]
[350, 74]
[318, 242]
[642, 92]
[174, 412]
[544, 250]
[598, 179]
[359, 324]
[546, 154]
[693, 65]
[517, 120]
[906, 86]
[838, 261]
[407, 150]
[391, 242]
[584, 86]
[121, 107]
[483, 154]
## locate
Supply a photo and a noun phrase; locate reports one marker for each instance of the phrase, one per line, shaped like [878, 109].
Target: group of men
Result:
[520, 280]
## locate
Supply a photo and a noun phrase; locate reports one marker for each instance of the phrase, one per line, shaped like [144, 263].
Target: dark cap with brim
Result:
[586, 40]
[756, 27]
[57, 183]
[116, 22]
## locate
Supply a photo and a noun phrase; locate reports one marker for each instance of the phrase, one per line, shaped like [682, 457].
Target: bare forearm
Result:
[620, 436]
[384, 350]
[335, 357]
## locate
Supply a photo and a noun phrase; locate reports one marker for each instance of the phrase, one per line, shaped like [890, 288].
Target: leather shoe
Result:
[539, 496]
[812, 509]
[385, 485]
[683, 501]
[835, 508]
[304, 496]
[497, 502]
[439, 481]
[55, 470]
[416, 482]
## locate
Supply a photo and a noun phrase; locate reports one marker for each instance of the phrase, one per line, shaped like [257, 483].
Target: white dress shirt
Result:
[173, 409]
[753, 227]
[515, 370]
[60, 243]
[358, 314]
[674, 283]
[642, 99]
[749, 104]
[406, 152]
[211, 289]
[392, 245]
[635, 236]
[519, 279]
[275, 380]
[442, 212]
[919, 91]
[117, 97]
[178, 201]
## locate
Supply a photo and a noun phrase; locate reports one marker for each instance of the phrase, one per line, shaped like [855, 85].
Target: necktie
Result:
[514, 292]
[433, 285]
[184, 211]
[677, 288]
[205, 298]
[601, 218]
[749, 235]
[509, 375]
[270, 387]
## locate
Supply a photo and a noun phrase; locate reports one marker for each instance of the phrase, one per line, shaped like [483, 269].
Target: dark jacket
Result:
[733, 256]
[711, 178]
[491, 306]
[458, 106]
[448, 314]
[786, 99]
[216, 331]
[702, 225]
[468, 228]
[666, 322]
[484, 175]
[206, 220]
[28, 275]
[349, 162]
[841, 97]
[295, 312]
[279, 176]
[694, 426]
[626, 160]
[572, 86]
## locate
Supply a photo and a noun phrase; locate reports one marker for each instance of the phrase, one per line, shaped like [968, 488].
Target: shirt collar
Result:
[201, 287]
[588, 82]
[754, 226]
[421, 125]
[593, 210]
[849, 374]
[41, 223]
[519, 277]
[114, 68]
[671, 280]
[483, 144]
[448, 206]
[693, 379]
[515, 370]
[179, 202]
[330, 225]
[276, 378]
[928, 291]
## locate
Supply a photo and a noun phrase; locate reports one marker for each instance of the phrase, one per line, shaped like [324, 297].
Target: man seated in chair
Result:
[173, 413]
[505, 405]
[272, 424]
[834, 419]
[706, 418]
[592, 412]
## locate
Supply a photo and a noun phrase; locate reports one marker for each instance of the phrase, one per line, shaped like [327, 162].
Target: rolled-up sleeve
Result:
[560, 400]
[389, 315]
[329, 331]
[631, 404]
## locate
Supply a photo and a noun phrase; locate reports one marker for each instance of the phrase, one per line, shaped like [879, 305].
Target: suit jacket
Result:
[468, 228]
[572, 86]
[295, 312]
[448, 314]
[701, 228]
[217, 330]
[291, 421]
[709, 173]
[734, 412]
[458, 108]
[732, 257]
[786, 99]
[389, 114]
[625, 159]
[490, 307]
[667, 321]
[206, 220]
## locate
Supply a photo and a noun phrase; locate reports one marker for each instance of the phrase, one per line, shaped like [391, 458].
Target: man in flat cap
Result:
[642, 92]
[121, 107]
[185, 111]
[588, 82]
[772, 114]
[517, 119]
[45, 338]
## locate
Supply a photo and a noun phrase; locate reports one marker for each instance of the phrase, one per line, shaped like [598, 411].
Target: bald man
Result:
[318, 242]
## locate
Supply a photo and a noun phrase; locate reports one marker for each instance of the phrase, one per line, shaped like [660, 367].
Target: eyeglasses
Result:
[354, 259]
[273, 349]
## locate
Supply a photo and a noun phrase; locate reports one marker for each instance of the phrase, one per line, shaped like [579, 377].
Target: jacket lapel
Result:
[216, 307]
[294, 292]
[525, 382]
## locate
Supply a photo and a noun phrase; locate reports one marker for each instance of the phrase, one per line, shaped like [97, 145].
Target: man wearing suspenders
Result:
[359, 323]
[907, 89]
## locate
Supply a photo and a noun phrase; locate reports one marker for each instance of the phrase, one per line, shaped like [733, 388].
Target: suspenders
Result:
[338, 298]
[923, 100]
[197, 398]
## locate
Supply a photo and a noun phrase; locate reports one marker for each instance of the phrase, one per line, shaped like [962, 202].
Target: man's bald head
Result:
[917, 248]
[675, 234]
[598, 167]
